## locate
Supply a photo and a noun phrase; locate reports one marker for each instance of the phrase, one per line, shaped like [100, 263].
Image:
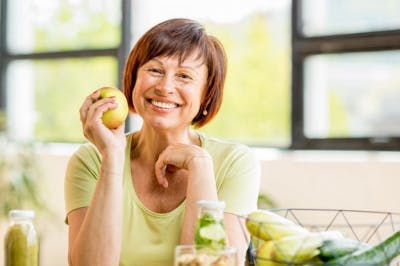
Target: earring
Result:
[205, 112]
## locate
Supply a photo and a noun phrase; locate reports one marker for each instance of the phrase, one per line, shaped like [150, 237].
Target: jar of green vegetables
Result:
[21, 243]
[210, 229]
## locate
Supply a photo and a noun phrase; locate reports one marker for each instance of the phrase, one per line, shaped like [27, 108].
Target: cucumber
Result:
[378, 255]
[335, 248]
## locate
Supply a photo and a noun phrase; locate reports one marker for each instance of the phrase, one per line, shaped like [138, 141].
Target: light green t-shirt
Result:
[149, 238]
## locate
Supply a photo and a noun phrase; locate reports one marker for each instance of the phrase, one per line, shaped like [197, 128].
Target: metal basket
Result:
[371, 227]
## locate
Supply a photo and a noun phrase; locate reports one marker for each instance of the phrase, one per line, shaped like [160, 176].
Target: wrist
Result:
[203, 162]
[113, 163]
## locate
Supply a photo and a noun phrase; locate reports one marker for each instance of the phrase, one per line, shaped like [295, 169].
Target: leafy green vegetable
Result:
[210, 233]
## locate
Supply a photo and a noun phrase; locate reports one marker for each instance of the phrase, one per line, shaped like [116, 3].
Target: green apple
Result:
[113, 118]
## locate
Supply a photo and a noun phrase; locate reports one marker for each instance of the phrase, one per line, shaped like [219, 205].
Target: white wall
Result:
[338, 180]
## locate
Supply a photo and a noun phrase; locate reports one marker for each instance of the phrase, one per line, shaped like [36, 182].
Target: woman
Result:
[131, 198]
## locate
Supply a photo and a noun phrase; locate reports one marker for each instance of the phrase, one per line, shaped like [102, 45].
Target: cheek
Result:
[135, 93]
[144, 83]
[140, 84]
[196, 100]
[201, 96]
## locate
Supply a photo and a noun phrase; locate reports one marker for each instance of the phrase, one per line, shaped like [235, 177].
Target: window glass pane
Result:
[57, 25]
[327, 17]
[44, 96]
[256, 35]
[256, 103]
[352, 95]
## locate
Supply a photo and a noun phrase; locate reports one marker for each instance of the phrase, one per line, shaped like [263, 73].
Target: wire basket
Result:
[370, 227]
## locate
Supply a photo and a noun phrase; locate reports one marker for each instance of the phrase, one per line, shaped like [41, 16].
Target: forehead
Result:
[193, 61]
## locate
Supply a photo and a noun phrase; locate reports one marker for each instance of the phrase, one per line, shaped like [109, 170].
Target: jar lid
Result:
[213, 204]
[22, 214]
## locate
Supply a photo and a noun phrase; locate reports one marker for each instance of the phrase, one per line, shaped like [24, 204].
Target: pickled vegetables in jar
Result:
[21, 244]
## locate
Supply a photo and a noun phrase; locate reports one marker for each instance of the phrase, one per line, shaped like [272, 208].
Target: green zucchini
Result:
[335, 248]
[378, 255]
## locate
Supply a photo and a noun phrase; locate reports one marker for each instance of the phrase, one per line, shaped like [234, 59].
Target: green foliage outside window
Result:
[339, 120]
[256, 102]
[2, 121]
[61, 87]
[19, 177]
[62, 84]
[73, 28]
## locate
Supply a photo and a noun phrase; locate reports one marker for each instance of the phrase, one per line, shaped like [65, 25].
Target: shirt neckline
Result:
[131, 187]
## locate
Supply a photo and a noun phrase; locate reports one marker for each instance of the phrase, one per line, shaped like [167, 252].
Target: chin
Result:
[160, 124]
[164, 125]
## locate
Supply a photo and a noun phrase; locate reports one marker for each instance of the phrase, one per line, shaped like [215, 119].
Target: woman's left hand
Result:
[181, 156]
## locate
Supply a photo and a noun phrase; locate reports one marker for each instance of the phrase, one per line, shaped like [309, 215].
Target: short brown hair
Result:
[181, 37]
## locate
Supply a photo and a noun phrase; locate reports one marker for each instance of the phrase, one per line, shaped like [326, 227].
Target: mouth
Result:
[163, 105]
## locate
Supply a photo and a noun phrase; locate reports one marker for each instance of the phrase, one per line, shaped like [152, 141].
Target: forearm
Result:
[237, 235]
[201, 187]
[99, 239]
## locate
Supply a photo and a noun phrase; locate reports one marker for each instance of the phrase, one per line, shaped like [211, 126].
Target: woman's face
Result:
[168, 94]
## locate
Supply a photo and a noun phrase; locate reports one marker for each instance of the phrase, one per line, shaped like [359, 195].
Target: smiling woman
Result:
[133, 186]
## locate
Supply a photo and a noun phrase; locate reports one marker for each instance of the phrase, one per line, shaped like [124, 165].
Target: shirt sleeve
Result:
[80, 178]
[240, 181]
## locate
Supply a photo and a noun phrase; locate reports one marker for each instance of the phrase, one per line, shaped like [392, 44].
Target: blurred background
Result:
[313, 87]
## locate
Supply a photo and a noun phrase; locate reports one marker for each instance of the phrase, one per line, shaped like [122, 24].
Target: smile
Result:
[164, 105]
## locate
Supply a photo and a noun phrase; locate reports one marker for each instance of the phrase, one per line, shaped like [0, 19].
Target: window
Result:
[54, 53]
[345, 79]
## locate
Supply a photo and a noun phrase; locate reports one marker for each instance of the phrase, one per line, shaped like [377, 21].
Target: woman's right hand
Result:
[91, 112]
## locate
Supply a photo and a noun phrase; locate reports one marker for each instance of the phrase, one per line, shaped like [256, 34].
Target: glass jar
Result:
[189, 255]
[210, 229]
[21, 244]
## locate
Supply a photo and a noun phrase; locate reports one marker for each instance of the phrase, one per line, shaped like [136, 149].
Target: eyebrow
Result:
[180, 65]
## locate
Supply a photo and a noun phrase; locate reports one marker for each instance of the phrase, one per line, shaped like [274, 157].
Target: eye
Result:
[154, 70]
[184, 76]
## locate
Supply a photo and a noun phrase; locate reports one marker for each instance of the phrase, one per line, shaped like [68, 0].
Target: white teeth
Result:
[163, 104]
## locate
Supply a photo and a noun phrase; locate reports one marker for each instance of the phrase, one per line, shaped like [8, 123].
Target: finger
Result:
[97, 109]
[92, 120]
[160, 168]
[94, 96]
[89, 100]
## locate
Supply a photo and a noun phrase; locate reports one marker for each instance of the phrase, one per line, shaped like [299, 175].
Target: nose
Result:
[166, 85]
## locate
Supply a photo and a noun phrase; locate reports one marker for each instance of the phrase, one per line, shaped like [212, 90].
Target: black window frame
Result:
[119, 52]
[303, 46]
